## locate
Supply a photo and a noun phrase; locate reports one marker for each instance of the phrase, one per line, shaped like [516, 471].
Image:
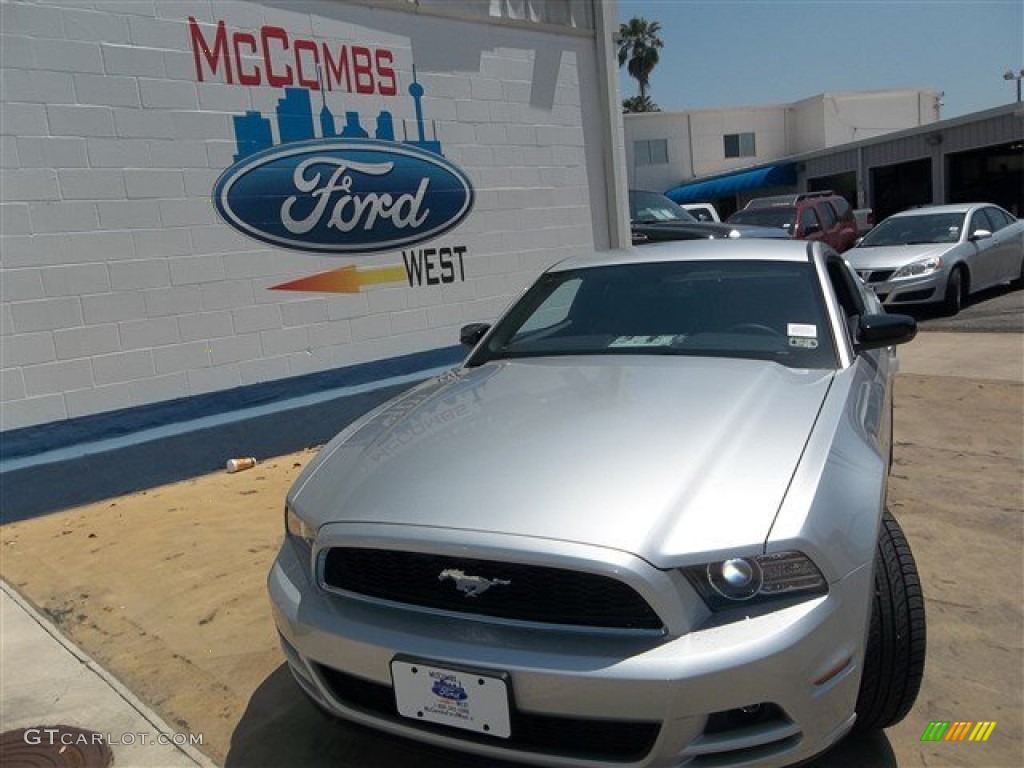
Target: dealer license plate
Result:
[454, 697]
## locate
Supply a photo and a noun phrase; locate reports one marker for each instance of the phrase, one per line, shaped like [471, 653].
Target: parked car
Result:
[941, 254]
[823, 216]
[643, 523]
[655, 218]
[701, 211]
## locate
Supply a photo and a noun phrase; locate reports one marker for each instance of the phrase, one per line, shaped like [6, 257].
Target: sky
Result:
[734, 53]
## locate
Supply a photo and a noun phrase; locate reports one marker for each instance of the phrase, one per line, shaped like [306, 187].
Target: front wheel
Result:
[956, 292]
[894, 658]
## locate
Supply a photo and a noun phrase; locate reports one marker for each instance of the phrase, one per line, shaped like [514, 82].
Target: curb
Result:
[148, 714]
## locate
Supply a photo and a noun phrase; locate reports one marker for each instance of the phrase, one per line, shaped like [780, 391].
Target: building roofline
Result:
[783, 105]
[1014, 108]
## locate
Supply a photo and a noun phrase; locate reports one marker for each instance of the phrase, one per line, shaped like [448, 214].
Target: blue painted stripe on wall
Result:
[29, 441]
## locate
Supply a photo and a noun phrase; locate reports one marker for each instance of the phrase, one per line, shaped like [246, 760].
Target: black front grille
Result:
[877, 275]
[519, 592]
[610, 740]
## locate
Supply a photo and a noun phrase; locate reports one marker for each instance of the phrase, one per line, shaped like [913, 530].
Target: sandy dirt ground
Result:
[166, 589]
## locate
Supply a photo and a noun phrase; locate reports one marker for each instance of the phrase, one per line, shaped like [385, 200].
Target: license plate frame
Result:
[451, 695]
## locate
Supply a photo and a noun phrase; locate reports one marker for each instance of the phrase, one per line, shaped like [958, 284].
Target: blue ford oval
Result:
[344, 196]
[449, 690]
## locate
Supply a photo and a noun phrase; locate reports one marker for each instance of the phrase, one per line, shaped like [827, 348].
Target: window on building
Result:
[651, 152]
[739, 145]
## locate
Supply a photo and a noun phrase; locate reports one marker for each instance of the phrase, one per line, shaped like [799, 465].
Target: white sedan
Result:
[940, 253]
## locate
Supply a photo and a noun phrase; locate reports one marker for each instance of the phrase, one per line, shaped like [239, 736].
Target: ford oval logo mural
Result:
[343, 196]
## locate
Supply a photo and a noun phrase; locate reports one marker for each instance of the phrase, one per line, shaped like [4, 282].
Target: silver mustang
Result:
[644, 523]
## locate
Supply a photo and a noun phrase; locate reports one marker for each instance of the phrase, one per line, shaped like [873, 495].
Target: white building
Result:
[666, 149]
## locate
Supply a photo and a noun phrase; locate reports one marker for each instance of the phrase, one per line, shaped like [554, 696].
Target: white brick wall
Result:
[119, 284]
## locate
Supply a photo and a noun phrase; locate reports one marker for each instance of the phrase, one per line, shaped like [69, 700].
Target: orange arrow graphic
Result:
[347, 279]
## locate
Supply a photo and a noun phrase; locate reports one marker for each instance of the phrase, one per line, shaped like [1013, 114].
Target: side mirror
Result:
[980, 234]
[813, 229]
[471, 334]
[884, 330]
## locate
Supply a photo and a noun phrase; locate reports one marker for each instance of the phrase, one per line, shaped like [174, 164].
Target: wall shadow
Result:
[280, 726]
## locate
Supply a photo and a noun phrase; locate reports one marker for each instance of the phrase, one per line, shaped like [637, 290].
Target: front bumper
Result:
[909, 291]
[677, 687]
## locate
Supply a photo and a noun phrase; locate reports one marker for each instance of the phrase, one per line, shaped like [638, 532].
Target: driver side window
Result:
[845, 289]
[809, 221]
[979, 220]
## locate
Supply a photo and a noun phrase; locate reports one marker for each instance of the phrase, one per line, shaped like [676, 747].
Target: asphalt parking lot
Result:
[165, 587]
[997, 310]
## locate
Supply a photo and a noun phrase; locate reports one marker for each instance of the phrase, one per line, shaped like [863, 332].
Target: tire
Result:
[1019, 282]
[895, 653]
[956, 292]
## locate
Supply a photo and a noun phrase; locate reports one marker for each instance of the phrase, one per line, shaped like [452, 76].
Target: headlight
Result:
[918, 268]
[300, 533]
[750, 580]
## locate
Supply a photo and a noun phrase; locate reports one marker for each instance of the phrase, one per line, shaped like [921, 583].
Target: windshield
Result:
[650, 208]
[916, 228]
[746, 309]
[781, 218]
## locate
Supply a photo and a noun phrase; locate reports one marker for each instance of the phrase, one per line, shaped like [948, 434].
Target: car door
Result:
[829, 225]
[1007, 244]
[984, 256]
[809, 225]
[875, 368]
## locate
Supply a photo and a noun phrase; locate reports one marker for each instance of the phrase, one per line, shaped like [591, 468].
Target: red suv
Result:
[822, 216]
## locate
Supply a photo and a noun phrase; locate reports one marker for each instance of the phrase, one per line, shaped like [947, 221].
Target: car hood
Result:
[656, 456]
[893, 256]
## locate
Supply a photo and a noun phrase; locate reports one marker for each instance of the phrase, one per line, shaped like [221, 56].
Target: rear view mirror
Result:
[471, 334]
[884, 330]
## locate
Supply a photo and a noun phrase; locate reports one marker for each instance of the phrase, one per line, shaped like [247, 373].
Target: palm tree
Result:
[638, 43]
[639, 104]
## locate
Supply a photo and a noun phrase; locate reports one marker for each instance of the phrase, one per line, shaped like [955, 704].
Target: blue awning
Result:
[698, 191]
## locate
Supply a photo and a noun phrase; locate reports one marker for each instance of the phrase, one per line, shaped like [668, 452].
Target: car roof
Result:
[790, 199]
[951, 208]
[695, 250]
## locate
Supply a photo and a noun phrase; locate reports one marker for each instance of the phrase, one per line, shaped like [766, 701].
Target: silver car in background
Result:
[644, 523]
[940, 254]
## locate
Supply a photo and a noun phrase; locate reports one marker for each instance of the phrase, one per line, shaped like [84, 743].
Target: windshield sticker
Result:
[801, 330]
[803, 343]
[643, 341]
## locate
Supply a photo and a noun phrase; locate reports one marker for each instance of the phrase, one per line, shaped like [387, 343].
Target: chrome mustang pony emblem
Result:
[470, 586]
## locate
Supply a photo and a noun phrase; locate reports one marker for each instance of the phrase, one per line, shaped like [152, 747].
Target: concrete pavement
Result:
[997, 356]
[47, 681]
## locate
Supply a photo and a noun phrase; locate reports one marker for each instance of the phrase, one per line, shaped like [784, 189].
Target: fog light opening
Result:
[744, 717]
